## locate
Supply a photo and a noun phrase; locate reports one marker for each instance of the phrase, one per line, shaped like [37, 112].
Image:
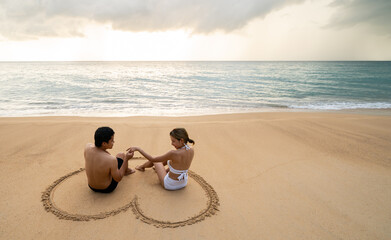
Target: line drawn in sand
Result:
[210, 210]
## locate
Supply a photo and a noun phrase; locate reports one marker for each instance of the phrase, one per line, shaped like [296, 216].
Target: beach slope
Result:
[274, 176]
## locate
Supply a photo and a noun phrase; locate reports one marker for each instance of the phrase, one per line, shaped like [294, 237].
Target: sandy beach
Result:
[279, 175]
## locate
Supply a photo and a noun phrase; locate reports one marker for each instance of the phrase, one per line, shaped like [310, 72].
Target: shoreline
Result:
[361, 111]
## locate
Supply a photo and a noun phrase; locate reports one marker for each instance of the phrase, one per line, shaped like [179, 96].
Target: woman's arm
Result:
[161, 158]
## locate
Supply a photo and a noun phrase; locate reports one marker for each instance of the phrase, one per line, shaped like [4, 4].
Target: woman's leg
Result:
[161, 172]
[148, 164]
[145, 165]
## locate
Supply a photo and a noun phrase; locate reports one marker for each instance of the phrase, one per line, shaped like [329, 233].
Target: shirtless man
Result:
[104, 171]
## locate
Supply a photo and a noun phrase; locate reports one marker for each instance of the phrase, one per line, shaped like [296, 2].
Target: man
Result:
[104, 171]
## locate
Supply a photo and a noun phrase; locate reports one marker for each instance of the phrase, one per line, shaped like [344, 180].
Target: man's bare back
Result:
[103, 170]
[98, 166]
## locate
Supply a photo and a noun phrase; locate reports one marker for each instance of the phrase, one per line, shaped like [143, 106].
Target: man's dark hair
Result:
[103, 134]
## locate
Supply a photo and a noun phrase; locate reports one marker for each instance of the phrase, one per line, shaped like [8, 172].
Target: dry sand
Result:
[275, 176]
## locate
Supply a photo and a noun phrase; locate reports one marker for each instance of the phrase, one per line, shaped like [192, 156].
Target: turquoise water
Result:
[189, 88]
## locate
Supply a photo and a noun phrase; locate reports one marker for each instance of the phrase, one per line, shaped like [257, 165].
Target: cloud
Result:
[28, 19]
[374, 14]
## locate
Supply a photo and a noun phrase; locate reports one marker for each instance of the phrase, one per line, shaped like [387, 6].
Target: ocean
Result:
[107, 89]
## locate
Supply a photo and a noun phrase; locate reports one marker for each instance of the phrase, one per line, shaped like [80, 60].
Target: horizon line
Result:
[9, 61]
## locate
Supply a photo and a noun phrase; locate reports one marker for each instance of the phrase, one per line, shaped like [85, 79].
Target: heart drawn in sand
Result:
[210, 209]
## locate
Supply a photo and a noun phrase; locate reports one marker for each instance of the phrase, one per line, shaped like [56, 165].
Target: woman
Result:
[178, 161]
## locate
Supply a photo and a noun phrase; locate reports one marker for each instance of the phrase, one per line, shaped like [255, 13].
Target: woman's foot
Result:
[140, 168]
[129, 171]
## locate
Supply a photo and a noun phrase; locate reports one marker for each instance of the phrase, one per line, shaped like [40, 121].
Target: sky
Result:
[195, 30]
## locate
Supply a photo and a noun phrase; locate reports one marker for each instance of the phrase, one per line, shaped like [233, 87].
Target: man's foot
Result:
[129, 171]
[140, 168]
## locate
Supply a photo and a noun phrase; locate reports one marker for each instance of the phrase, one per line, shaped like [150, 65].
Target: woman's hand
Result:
[133, 149]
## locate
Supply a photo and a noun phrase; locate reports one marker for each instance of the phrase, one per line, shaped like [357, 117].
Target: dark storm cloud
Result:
[375, 14]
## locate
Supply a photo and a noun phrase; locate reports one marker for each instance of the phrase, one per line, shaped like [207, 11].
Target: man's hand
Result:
[129, 155]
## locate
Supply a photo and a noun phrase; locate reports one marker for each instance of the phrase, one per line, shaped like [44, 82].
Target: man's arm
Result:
[117, 174]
